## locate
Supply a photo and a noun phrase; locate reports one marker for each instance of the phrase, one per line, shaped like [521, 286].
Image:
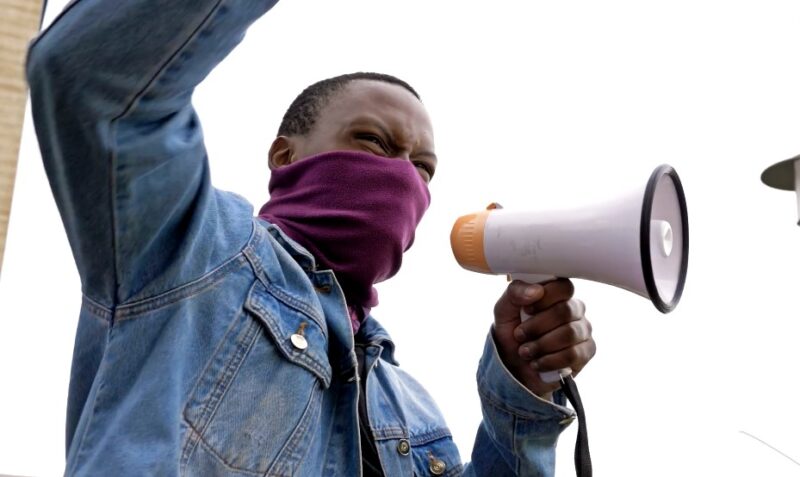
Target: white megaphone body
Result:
[638, 241]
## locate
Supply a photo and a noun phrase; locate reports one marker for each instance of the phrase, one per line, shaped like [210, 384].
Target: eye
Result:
[425, 170]
[374, 139]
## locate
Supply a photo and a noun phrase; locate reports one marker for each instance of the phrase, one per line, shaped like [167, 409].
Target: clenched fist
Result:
[556, 336]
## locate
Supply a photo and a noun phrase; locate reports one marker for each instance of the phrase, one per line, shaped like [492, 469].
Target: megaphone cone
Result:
[638, 242]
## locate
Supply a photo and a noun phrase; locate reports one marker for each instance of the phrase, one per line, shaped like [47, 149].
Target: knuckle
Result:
[584, 354]
[574, 309]
[575, 332]
[592, 348]
[578, 306]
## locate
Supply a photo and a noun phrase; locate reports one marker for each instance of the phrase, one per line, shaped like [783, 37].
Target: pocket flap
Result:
[282, 322]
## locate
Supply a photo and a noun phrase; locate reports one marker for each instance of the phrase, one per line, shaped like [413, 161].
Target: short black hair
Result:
[303, 112]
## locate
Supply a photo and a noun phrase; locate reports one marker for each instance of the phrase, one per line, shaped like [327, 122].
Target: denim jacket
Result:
[187, 359]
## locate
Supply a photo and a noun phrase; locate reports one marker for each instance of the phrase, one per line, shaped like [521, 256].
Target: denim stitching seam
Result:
[286, 298]
[298, 305]
[213, 452]
[132, 310]
[97, 310]
[530, 415]
[222, 384]
[283, 465]
[173, 59]
[219, 387]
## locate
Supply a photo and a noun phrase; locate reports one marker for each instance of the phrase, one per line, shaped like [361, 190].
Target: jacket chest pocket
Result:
[258, 400]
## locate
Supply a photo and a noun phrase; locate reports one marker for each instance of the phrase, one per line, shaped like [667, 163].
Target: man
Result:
[211, 342]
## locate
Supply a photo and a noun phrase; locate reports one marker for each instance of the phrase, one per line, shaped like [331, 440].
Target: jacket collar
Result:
[373, 334]
[371, 331]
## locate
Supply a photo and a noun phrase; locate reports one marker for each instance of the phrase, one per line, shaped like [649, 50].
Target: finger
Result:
[555, 291]
[574, 357]
[548, 320]
[562, 337]
[516, 295]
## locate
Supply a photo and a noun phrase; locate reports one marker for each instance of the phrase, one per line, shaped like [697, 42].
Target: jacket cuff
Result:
[501, 389]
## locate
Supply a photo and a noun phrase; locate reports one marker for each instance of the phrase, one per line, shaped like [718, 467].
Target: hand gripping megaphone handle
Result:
[547, 376]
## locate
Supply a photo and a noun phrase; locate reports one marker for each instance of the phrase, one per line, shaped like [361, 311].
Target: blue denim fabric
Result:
[183, 361]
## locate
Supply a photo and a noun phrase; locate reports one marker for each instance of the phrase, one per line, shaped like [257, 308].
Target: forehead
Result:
[377, 99]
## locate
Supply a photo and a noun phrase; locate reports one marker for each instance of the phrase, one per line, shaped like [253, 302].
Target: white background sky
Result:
[532, 102]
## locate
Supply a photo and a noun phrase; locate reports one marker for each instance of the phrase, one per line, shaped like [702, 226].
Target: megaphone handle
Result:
[547, 376]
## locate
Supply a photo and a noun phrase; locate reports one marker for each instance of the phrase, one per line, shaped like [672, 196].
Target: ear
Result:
[281, 152]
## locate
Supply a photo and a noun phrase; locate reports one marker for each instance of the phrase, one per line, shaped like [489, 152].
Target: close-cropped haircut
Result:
[304, 110]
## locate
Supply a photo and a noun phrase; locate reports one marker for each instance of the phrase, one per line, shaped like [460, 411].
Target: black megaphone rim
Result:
[644, 238]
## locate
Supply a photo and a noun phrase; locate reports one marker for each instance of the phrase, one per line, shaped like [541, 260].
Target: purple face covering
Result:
[355, 212]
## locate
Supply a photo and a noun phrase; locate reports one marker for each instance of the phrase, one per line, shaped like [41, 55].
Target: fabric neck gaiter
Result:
[355, 212]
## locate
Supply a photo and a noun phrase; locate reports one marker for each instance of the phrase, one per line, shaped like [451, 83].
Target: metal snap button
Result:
[437, 466]
[298, 340]
[403, 447]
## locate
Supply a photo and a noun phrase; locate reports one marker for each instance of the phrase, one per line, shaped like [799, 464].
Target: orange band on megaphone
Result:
[466, 240]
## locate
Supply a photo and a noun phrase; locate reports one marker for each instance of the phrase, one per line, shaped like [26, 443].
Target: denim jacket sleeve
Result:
[519, 430]
[111, 84]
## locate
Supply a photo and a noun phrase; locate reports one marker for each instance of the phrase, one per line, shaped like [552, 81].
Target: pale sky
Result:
[532, 102]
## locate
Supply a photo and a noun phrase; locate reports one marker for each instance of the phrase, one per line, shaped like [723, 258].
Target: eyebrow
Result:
[379, 124]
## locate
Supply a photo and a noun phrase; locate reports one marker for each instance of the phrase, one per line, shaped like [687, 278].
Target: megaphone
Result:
[637, 241]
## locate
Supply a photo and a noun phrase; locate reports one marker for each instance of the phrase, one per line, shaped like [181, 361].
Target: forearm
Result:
[142, 55]
[111, 85]
[519, 431]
